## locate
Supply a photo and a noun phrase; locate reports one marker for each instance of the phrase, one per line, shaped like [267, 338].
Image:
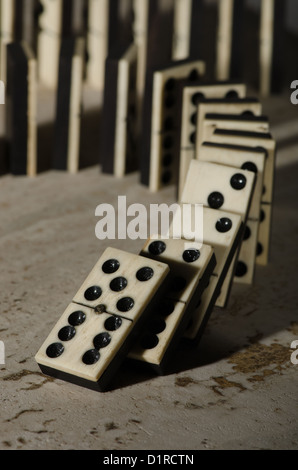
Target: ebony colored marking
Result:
[77, 318]
[215, 200]
[223, 225]
[178, 284]
[170, 84]
[232, 95]
[194, 118]
[262, 215]
[93, 293]
[67, 333]
[165, 308]
[169, 124]
[197, 97]
[55, 350]
[102, 341]
[118, 284]
[157, 248]
[167, 160]
[168, 142]
[170, 101]
[157, 326]
[260, 249]
[91, 357]
[166, 177]
[145, 274]
[111, 266]
[190, 256]
[125, 304]
[193, 137]
[194, 75]
[149, 341]
[238, 181]
[247, 233]
[250, 166]
[113, 323]
[241, 269]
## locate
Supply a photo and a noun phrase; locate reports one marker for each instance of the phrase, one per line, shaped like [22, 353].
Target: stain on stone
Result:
[259, 356]
[110, 426]
[7, 443]
[22, 413]
[223, 383]
[184, 381]
[261, 377]
[193, 406]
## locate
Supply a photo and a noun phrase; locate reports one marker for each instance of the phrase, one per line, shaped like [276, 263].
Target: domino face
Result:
[190, 271]
[119, 136]
[219, 187]
[223, 231]
[161, 122]
[253, 139]
[247, 158]
[96, 331]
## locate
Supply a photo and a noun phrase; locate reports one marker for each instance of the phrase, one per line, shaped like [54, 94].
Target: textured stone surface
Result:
[237, 390]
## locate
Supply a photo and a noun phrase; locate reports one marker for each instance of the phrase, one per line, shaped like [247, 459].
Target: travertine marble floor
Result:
[237, 390]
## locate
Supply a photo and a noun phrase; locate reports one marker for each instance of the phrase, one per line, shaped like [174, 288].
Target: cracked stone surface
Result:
[236, 390]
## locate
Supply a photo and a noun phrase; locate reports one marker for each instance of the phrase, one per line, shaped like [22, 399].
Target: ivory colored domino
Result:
[229, 39]
[250, 106]
[190, 271]
[119, 130]
[232, 122]
[252, 160]
[222, 188]
[253, 139]
[221, 230]
[247, 158]
[98, 328]
[162, 121]
[22, 109]
[191, 95]
[66, 152]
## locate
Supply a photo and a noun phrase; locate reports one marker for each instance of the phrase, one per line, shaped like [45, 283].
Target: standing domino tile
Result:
[66, 155]
[191, 96]
[182, 30]
[245, 106]
[49, 41]
[271, 38]
[252, 160]
[109, 24]
[7, 15]
[21, 109]
[161, 122]
[190, 271]
[119, 136]
[223, 231]
[230, 39]
[224, 188]
[266, 142]
[241, 122]
[98, 328]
